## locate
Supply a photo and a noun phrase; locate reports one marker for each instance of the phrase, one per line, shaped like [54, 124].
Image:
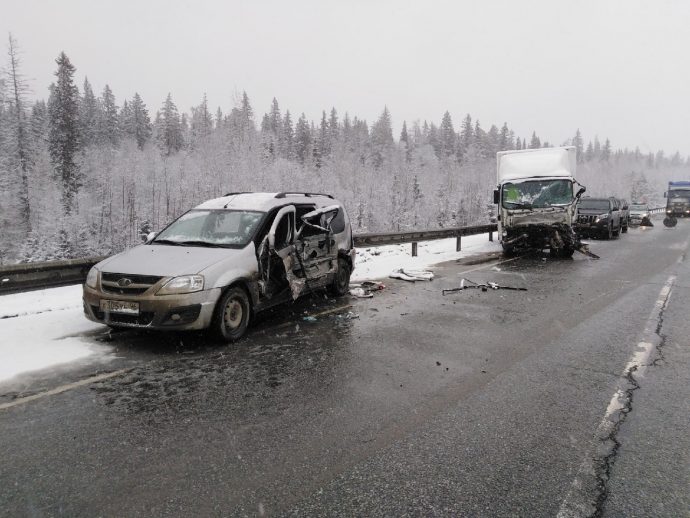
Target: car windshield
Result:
[537, 194]
[638, 208]
[595, 204]
[212, 228]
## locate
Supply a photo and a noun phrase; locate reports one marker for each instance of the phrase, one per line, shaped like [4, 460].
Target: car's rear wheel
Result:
[624, 229]
[231, 316]
[609, 232]
[341, 282]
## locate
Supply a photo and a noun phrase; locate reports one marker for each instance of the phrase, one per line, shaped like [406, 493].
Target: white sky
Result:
[616, 68]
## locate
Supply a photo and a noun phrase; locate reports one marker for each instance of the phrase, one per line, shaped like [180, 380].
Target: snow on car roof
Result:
[262, 201]
[531, 163]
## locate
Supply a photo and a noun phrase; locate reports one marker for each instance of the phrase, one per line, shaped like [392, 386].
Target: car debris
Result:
[366, 289]
[670, 221]
[485, 286]
[411, 275]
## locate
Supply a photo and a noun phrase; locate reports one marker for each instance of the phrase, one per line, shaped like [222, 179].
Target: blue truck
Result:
[678, 199]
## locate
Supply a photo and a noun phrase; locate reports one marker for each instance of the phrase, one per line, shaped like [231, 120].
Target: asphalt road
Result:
[568, 399]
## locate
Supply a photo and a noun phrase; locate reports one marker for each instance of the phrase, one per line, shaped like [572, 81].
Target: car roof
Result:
[265, 201]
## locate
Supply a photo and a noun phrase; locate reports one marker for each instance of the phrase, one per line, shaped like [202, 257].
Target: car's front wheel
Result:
[231, 316]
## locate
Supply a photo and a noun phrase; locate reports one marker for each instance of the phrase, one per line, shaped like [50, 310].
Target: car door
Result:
[316, 246]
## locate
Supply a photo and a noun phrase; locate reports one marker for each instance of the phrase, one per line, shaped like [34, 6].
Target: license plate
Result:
[120, 306]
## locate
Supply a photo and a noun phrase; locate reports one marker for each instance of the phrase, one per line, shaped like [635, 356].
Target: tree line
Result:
[82, 175]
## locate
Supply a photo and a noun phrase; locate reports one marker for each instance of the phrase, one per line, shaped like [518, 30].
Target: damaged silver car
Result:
[223, 261]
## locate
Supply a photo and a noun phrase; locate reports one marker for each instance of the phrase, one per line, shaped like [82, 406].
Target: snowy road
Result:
[472, 403]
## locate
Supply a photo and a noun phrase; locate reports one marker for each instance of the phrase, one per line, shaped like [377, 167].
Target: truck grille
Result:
[126, 284]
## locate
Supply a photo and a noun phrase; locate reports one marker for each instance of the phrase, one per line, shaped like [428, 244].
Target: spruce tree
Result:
[88, 115]
[141, 121]
[63, 139]
[446, 136]
[287, 142]
[109, 131]
[606, 151]
[466, 137]
[19, 132]
[534, 143]
[381, 138]
[169, 128]
[302, 139]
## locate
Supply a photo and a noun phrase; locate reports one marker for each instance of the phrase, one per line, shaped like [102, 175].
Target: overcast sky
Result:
[616, 68]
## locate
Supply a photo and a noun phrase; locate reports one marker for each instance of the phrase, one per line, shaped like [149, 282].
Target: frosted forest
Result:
[86, 173]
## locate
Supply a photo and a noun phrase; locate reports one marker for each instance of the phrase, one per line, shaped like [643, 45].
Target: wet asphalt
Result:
[408, 404]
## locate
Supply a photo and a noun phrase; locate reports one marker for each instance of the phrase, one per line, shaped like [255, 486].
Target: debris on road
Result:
[486, 286]
[309, 318]
[670, 221]
[366, 289]
[411, 275]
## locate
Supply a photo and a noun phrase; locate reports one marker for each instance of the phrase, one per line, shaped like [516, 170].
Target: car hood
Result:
[166, 261]
[595, 212]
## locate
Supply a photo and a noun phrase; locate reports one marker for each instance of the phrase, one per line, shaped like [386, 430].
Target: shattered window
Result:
[211, 228]
[537, 194]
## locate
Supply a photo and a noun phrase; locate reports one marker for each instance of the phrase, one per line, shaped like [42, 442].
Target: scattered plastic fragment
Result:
[309, 318]
[411, 275]
[361, 293]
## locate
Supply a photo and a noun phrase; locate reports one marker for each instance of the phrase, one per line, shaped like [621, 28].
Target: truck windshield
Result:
[679, 194]
[211, 228]
[537, 194]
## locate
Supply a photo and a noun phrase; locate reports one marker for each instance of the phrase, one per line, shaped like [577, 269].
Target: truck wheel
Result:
[341, 282]
[231, 316]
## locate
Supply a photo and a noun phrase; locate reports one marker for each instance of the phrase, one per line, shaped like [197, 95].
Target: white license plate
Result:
[120, 306]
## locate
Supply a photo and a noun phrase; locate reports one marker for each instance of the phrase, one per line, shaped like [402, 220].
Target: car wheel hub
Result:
[233, 314]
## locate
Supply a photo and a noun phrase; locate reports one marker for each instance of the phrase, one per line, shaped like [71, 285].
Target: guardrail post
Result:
[414, 249]
[491, 236]
[458, 243]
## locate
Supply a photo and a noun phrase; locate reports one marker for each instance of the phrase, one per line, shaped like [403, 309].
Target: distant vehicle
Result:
[536, 198]
[223, 261]
[678, 199]
[625, 214]
[599, 217]
[639, 212]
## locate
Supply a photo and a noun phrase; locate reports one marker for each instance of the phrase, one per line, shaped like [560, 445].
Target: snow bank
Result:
[378, 262]
[51, 330]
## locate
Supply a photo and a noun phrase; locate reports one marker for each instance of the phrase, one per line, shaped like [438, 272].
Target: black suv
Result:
[600, 217]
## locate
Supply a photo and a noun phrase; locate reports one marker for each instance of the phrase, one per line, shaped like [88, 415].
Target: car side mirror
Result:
[581, 191]
[497, 197]
[150, 237]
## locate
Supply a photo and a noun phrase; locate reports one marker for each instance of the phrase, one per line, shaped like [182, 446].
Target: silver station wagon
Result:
[223, 261]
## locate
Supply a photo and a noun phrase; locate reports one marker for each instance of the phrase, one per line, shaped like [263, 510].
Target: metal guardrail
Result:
[32, 276]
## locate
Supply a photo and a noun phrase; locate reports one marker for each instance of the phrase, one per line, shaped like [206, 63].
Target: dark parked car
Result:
[599, 217]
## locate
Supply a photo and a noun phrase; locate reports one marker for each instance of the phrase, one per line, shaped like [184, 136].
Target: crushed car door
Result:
[275, 250]
[315, 246]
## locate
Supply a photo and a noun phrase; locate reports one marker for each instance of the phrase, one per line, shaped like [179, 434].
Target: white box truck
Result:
[537, 197]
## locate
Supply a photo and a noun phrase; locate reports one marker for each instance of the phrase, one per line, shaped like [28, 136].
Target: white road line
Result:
[62, 388]
[578, 502]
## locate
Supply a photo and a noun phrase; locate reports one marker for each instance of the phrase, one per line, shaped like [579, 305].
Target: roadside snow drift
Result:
[40, 329]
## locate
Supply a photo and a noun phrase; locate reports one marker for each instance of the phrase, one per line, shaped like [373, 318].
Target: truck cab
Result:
[678, 199]
[537, 200]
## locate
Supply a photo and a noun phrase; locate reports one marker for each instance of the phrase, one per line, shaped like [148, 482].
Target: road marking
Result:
[62, 388]
[579, 502]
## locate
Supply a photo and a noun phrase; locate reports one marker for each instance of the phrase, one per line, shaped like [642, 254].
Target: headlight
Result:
[183, 284]
[92, 278]
[603, 217]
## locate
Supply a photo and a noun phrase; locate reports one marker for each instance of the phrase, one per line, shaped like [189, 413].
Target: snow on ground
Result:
[50, 330]
[378, 262]
[47, 328]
